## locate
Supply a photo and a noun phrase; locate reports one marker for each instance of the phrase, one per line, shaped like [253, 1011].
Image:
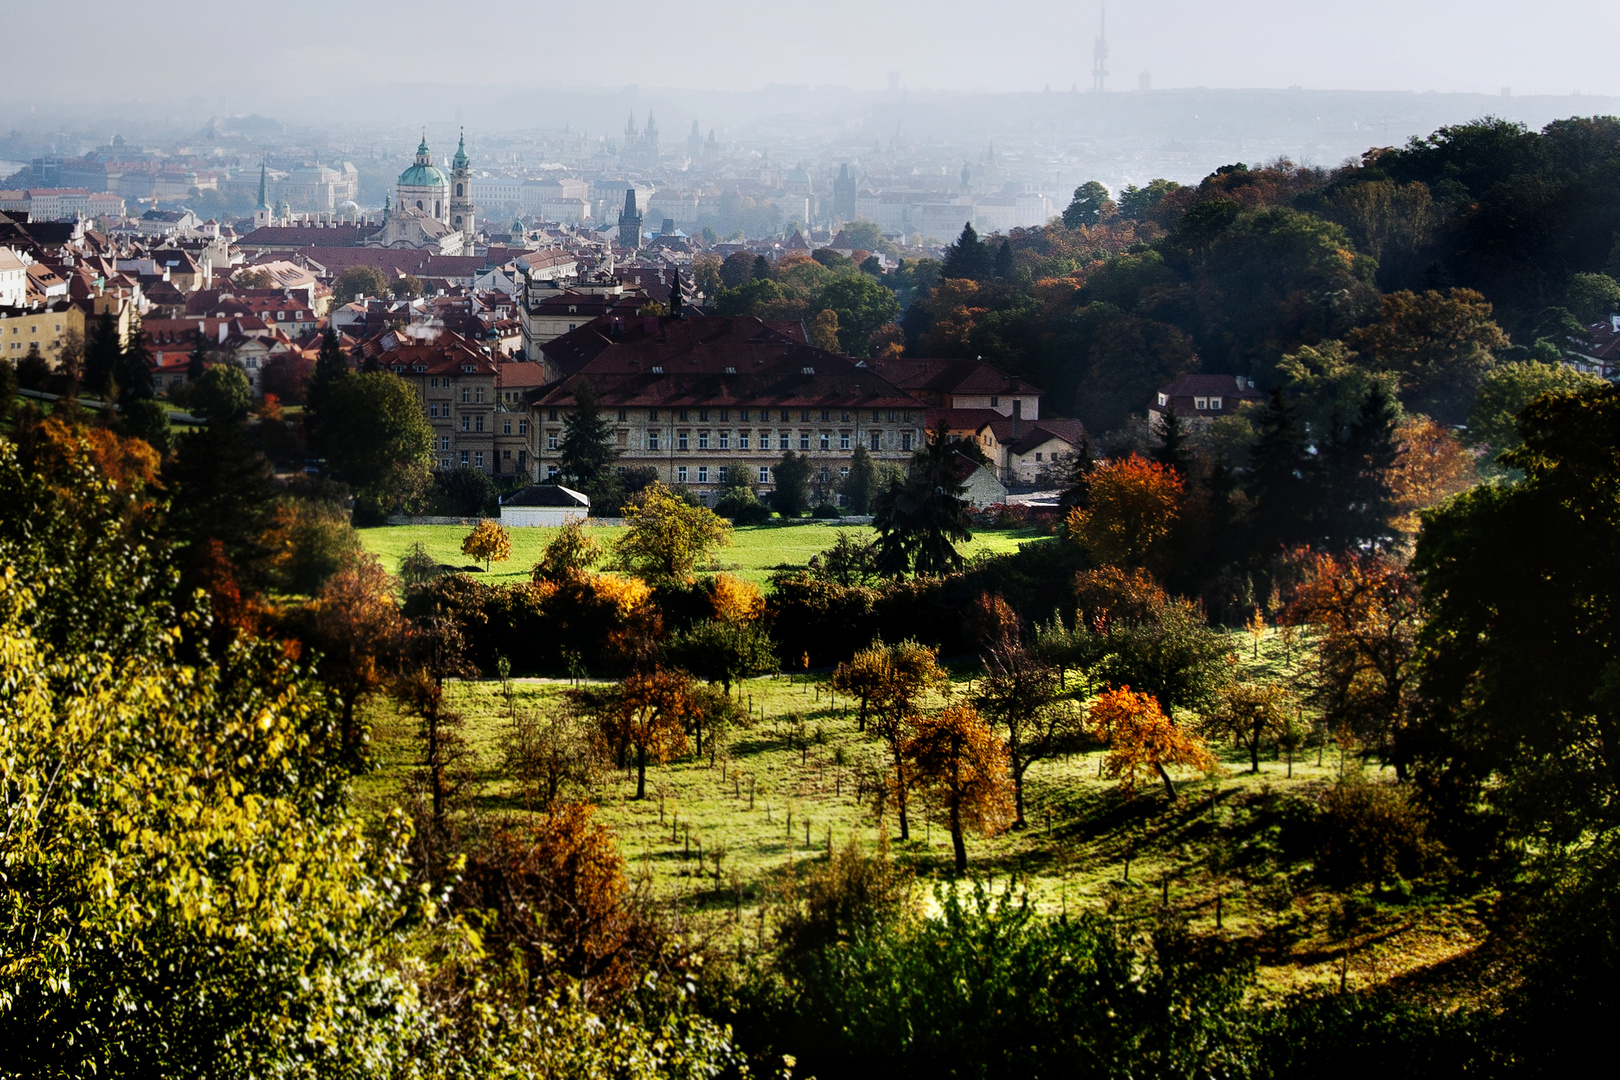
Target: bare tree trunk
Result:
[641, 772]
[956, 838]
[1169, 787]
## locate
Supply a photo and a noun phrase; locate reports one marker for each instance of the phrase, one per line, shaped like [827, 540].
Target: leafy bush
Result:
[825, 510]
[1367, 834]
[991, 988]
[743, 507]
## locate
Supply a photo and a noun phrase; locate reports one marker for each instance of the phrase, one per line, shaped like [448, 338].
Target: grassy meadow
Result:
[755, 552]
[778, 791]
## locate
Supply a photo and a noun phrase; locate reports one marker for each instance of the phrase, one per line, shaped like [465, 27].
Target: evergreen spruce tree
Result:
[922, 518]
[197, 362]
[1172, 449]
[1276, 482]
[587, 451]
[102, 353]
[133, 372]
[1354, 498]
[859, 487]
[1004, 261]
[677, 304]
[1080, 470]
[969, 257]
[331, 367]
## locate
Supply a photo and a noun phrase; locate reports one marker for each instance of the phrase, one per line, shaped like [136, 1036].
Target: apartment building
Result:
[698, 397]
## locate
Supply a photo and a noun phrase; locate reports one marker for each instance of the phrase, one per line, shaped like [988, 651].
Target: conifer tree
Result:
[102, 353]
[133, 372]
[1354, 491]
[969, 257]
[587, 450]
[1172, 449]
[1277, 480]
[1004, 261]
[331, 367]
[197, 362]
[921, 519]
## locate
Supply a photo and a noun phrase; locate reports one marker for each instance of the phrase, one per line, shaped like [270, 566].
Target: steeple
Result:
[460, 161]
[630, 221]
[262, 214]
[461, 204]
[423, 156]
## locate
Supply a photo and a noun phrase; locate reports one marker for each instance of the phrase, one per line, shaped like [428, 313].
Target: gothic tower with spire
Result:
[630, 221]
[261, 210]
[461, 204]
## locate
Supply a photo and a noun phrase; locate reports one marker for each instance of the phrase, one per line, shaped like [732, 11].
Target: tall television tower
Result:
[1099, 67]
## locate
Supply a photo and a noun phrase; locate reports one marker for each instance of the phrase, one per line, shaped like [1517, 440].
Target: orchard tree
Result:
[902, 675]
[490, 541]
[569, 556]
[1367, 613]
[724, 652]
[647, 715]
[1253, 713]
[355, 628]
[1021, 693]
[961, 766]
[665, 537]
[1143, 741]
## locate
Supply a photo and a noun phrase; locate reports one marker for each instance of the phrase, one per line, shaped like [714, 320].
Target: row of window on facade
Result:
[682, 416]
[475, 458]
[784, 440]
[701, 473]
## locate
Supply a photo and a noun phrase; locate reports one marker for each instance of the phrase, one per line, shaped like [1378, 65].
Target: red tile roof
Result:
[711, 362]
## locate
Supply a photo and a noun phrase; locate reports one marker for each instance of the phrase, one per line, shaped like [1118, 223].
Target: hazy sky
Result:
[304, 48]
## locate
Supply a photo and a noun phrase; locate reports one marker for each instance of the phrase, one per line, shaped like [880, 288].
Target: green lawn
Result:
[1220, 840]
[757, 550]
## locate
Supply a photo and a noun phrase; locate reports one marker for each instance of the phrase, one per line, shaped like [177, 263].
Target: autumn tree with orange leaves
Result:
[355, 627]
[563, 904]
[960, 765]
[1431, 465]
[1143, 742]
[647, 716]
[1366, 611]
[1131, 513]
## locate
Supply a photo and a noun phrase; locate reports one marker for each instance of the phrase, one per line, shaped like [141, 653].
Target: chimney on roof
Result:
[1018, 416]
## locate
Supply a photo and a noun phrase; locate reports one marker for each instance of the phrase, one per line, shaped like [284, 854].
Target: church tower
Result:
[630, 221]
[461, 204]
[261, 211]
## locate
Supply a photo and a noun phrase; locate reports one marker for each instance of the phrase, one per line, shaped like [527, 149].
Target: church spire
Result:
[264, 201]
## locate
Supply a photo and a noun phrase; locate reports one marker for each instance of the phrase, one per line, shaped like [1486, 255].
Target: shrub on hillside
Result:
[1367, 834]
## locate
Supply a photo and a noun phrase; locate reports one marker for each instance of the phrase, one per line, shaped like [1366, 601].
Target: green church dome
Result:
[423, 176]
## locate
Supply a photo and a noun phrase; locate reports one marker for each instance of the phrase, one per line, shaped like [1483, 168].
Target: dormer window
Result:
[1200, 402]
[658, 369]
[807, 371]
[1214, 403]
[1164, 399]
[469, 368]
[730, 370]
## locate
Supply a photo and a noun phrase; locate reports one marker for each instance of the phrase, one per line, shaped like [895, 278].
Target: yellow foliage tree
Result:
[666, 537]
[961, 764]
[735, 600]
[1143, 742]
[1431, 465]
[489, 541]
